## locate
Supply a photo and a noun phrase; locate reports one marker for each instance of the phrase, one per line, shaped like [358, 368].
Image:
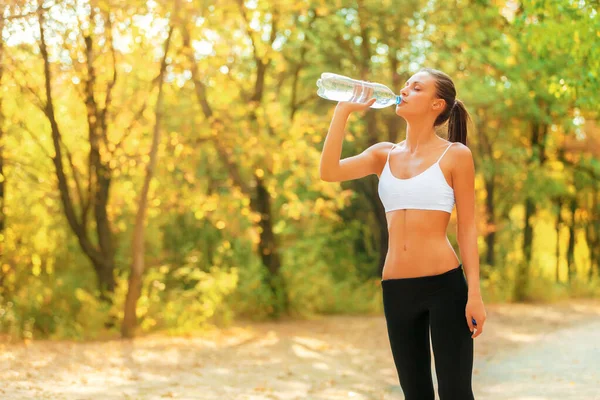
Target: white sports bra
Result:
[425, 191]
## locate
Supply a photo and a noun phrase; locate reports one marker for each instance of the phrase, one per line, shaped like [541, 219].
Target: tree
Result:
[138, 244]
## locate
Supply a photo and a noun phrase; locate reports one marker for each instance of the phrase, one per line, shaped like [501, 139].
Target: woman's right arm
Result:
[332, 169]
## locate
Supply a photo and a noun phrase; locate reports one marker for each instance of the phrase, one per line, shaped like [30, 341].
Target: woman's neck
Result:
[420, 136]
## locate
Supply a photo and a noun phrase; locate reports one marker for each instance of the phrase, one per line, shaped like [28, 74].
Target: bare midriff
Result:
[417, 244]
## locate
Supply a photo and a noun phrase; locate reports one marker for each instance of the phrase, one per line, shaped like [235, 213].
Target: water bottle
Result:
[341, 88]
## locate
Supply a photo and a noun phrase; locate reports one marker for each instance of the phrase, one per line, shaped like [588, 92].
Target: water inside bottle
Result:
[334, 88]
[340, 88]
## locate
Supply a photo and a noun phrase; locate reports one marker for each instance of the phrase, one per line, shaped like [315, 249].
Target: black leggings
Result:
[411, 307]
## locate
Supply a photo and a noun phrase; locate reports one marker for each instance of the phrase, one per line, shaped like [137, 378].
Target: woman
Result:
[424, 288]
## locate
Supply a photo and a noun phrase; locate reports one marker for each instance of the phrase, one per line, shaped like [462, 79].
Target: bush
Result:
[181, 301]
[54, 308]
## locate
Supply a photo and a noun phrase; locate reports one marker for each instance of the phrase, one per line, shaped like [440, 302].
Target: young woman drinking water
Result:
[421, 180]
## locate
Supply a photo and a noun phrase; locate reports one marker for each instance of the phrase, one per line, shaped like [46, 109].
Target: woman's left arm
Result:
[463, 180]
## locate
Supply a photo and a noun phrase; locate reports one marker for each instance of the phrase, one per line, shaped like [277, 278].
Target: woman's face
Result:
[419, 97]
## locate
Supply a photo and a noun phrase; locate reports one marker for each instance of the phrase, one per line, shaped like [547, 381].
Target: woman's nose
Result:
[403, 92]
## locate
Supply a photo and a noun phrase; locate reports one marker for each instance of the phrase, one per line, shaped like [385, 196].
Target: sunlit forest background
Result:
[159, 160]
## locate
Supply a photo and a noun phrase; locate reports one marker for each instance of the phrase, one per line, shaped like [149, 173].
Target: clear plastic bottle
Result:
[341, 88]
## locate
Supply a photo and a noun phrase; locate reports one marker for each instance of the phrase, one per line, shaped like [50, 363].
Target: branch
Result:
[305, 100]
[78, 228]
[198, 85]
[30, 171]
[23, 126]
[261, 65]
[136, 117]
[38, 101]
[138, 240]
[84, 205]
[29, 14]
[111, 83]
[348, 49]
[230, 67]
[294, 104]
[240, 4]
[215, 123]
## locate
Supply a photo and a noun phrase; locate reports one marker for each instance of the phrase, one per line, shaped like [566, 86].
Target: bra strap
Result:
[389, 152]
[439, 159]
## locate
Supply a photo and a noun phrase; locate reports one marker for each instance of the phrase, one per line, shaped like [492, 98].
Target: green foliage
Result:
[54, 308]
[527, 71]
[584, 288]
[190, 305]
[252, 299]
[330, 278]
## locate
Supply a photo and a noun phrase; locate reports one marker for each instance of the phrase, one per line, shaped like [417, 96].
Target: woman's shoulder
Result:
[382, 148]
[460, 156]
[459, 149]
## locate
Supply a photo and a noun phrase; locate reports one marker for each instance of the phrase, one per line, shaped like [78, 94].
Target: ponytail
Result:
[457, 123]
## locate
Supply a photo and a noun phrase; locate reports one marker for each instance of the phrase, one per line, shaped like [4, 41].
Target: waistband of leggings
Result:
[426, 278]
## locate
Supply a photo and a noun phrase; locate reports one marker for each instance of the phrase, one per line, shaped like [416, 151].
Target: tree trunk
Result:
[368, 189]
[101, 256]
[269, 248]
[593, 235]
[296, 78]
[490, 237]
[539, 134]
[485, 147]
[558, 226]
[104, 269]
[592, 230]
[571, 249]
[138, 247]
[379, 211]
[260, 200]
[522, 278]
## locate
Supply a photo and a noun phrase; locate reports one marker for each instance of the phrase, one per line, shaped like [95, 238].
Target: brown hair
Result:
[455, 112]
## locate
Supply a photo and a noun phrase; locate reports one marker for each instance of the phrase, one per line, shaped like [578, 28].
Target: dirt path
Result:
[528, 352]
[564, 364]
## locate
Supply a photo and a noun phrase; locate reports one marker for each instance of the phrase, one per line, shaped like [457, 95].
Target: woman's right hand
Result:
[351, 106]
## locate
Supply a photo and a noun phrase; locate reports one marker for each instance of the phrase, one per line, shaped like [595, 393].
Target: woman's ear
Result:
[439, 104]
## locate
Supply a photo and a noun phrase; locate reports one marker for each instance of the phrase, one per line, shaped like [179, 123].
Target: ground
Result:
[526, 352]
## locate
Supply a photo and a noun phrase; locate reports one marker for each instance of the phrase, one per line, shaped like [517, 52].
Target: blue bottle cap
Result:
[398, 100]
